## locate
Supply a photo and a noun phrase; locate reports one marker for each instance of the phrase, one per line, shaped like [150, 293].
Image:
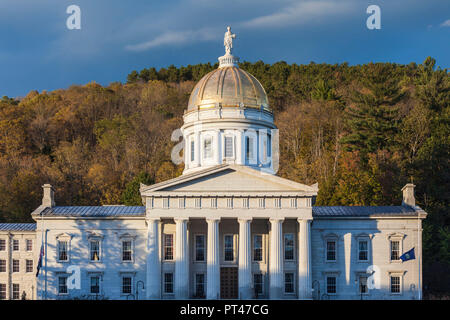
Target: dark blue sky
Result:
[38, 52]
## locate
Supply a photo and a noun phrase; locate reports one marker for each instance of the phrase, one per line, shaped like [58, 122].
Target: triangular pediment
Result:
[228, 178]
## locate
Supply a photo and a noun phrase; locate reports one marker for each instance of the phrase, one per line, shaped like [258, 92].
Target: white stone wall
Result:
[25, 280]
[347, 267]
[110, 268]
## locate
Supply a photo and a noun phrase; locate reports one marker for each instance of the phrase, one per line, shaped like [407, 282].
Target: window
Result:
[228, 247]
[2, 291]
[127, 250]
[331, 250]
[62, 250]
[207, 147]
[200, 285]
[126, 285]
[16, 291]
[168, 246]
[294, 203]
[258, 283]
[15, 245]
[94, 250]
[288, 246]
[249, 148]
[2, 265]
[289, 282]
[363, 285]
[228, 147]
[363, 253]
[29, 265]
[62, 285]
[192, 150]
[331, 285]
[213, 202]
[395, 284]
[2, 244]
[395, 250]
[277, 202]
[257, 247]
[168, 282]
[182, 203]
[200, 247]
[29, 244]
[262, 202]
[95, 285]
[245, 203]
[15, 266]
[165, 203]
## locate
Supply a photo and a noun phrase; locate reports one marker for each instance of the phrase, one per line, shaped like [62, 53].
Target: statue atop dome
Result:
[228, 60]
[228, 41]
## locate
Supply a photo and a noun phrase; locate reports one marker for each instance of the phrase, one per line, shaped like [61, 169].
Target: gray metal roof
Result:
[318, 211]
[95, 211]
[363, 211]
[17, 226]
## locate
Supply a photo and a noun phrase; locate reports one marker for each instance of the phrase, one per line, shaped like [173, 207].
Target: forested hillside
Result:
[361, 131]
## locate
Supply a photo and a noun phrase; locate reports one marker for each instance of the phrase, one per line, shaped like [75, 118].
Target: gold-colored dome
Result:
[230, 87]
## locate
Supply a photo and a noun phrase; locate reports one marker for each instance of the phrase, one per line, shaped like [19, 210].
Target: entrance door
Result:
[229, 283]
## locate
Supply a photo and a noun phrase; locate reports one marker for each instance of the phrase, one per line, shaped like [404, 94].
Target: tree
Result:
[131, 195]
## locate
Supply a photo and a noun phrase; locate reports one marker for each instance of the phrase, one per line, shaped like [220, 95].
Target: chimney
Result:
[48, 199]
[408, 195]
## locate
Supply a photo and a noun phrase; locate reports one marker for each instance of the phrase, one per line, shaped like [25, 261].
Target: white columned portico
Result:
[153, 261]
[213, 260]
[245, 259]
[181, 259]
[304, 260]
[276, 258]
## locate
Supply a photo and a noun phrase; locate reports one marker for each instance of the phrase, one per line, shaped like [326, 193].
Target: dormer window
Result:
[207, 147]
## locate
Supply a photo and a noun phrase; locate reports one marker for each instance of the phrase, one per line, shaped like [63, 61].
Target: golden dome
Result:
[229, 86]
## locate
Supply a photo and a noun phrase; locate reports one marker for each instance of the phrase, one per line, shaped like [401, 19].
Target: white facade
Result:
[229, 228]
[17, 261]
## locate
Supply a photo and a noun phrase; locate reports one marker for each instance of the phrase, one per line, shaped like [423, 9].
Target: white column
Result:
[218, 150]
[153, 287]
[239, 146]
[198, 149]
[245, 259]
[181, 260]
[276, 259]
[304, 260]
[213, 262]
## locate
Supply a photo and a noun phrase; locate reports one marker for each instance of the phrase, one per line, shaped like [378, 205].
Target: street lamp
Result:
[137, 288]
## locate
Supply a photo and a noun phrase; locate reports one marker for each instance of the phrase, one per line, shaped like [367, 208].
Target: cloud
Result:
[300, 13]
[446, 23]
[175, 38]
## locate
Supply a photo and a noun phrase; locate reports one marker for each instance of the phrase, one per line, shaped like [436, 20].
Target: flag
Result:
[39, 265]
[409, 255]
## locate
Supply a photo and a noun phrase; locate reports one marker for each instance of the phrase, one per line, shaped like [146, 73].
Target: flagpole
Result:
[419, 253]
[42, 246]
